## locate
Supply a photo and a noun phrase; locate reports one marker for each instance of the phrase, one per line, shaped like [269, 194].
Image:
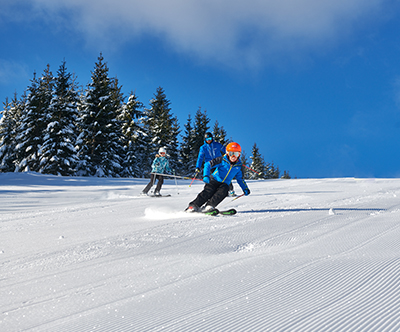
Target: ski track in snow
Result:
[82, 254]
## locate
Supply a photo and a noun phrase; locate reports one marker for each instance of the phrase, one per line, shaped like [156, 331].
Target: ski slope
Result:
[89, 254]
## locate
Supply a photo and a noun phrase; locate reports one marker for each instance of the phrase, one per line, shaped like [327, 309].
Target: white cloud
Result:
[228, 31]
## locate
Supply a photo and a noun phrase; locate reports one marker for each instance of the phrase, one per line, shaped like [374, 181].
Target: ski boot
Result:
[210, 210]
[192, 208]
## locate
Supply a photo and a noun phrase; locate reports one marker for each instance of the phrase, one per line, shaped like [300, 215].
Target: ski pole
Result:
[194, 178]
[225, 203]
[176, 176]
[237, 197]
[176, 183]
[259, 173]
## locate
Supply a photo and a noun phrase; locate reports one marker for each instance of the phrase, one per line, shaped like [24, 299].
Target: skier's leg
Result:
[205, 194]
[160, 182]
[149, 185]
[219, 195]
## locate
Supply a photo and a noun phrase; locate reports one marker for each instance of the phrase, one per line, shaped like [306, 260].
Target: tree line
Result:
[58, 128]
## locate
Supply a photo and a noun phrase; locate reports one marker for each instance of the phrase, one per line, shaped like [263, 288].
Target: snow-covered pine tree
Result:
[188, 156]
[162, 129]
[271, 171]
[133, 136]
[257, 164]
[201, 121]
[6, 164]
[173, 146]
[8, 125]
[219, 134]
[33, 122]
[17, 109]
[99, 143]
[245, 170]
[58, 154]
[117, 97]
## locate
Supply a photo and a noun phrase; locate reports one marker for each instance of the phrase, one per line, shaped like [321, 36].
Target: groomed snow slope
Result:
[89, 254]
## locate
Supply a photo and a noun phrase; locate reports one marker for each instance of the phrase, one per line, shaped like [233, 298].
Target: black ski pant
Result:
[153, 178]
[212, 194]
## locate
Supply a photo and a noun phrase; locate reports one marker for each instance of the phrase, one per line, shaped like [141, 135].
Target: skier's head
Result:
[162, 151]
[208, 138]
[233, 151]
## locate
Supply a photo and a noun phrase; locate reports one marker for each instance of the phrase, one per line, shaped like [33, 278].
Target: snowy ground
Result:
[88, 254]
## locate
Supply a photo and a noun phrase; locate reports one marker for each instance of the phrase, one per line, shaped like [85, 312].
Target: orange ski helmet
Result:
[233, 147]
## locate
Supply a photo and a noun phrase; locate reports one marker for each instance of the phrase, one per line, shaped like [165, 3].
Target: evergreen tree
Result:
[34, 121]
[99, 143]
[5, 138]
[58, 153]
[8, 126]
[188, 156]
[201, 126]
[173, 146]
[245, 170]
[117, 97]
[271, 171]
[257, 164]
[162, 128]
[219, 134]
[133, 136]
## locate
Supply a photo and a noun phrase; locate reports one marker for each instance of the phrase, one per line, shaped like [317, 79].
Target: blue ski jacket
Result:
[160, 165]
[225, 171]
[208, 152]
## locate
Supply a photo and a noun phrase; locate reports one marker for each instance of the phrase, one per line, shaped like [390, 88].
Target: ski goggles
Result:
[209, 139]
[236, 154]
[162, 153]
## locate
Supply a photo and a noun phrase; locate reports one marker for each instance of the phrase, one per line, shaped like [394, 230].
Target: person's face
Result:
[233, 156]
[162, 154]
[208, 140]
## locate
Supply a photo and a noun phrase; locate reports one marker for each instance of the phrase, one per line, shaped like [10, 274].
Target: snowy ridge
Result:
[82, 254]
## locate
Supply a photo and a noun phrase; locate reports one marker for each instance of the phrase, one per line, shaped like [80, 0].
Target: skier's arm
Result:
[208, 166]
[242, 183]
[211, 164]
[156, 162]
[244, 187]
[200, 158]
[207, 169]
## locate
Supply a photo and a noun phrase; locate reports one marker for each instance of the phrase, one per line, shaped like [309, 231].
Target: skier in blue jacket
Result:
[160, 165]
[208, 151]
[216, 186]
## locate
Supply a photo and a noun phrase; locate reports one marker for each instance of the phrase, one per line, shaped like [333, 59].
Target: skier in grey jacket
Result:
[160, 165]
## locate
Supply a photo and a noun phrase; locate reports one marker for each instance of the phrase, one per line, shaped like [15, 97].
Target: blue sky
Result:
[315, 83]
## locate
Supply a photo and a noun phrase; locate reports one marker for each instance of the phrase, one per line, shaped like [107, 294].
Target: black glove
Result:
[197, 170]
[246, 192]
